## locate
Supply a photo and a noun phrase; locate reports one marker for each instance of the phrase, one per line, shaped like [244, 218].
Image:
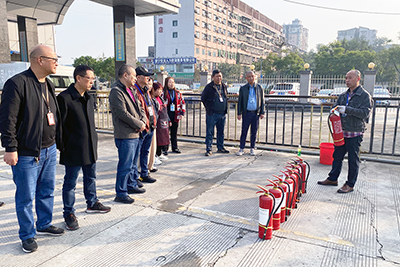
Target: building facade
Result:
[366, 34]
[296, 35]
[209, 32]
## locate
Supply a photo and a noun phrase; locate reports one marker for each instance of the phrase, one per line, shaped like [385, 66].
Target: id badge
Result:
[172, 107]
[150, 111]
[220, 99]
[50, 119]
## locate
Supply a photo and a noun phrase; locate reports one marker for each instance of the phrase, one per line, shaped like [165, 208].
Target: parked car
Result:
[323, 93]
[285, 89]
[233, 90]
[380, 92]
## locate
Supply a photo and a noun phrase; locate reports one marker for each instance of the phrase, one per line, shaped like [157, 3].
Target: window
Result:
[197, 35]
[197, 50]
[204, 24]
[214, 54]
[197, 22]
[203, 52]
[209, 26]
[174, 23]
[176, 51]
[197, 10]
[175, 35]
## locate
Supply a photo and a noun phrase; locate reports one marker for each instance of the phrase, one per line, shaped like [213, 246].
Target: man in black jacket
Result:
[79, 144]
[29, 117]
[354, 107]
[215, 100]
[251, 106]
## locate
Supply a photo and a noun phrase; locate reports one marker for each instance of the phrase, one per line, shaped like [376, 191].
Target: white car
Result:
[380, 92]
[285, 89]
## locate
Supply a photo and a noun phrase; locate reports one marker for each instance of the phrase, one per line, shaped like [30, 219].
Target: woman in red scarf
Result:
[176, 110]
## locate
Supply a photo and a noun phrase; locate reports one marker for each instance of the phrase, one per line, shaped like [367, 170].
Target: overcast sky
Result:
[88, 27]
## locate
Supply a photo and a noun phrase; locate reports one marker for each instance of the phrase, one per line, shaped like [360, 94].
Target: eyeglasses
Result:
[55, 60]
[89, 78]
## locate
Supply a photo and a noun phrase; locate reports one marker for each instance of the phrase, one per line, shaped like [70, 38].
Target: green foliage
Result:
[103, 67]
[229, 69]
[290, 64]
[388, 64]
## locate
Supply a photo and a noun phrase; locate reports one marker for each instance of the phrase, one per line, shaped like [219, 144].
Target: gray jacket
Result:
[128, 115]
[358, 110]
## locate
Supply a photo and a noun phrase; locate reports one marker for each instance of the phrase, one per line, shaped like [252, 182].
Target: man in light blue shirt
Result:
[251, 106]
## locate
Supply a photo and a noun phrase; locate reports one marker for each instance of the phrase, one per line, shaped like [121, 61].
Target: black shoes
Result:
[165, 153]
[223, 150]
[71, 222]
[147, 179]
[136, 190]
[125, 200]
[98, 208]
[139, 183]
[29, 245]
[208, 153]
[51, 230]
[176, 150]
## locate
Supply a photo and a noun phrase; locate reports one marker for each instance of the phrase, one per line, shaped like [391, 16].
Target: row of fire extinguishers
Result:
[281, 196]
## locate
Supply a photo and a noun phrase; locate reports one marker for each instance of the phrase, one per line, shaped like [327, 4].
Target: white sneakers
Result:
[157, 161]
[163, 157]
[241, 152]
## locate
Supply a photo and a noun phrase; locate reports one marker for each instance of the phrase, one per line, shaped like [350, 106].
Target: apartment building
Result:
[209, 32]
[296, 35]
[364, 33]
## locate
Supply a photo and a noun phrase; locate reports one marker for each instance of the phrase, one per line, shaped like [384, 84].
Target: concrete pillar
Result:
[205, 78]
[4, 40]
[161, 75]
[369, 81]
[124, 37]
[28, 36]
[305, 84]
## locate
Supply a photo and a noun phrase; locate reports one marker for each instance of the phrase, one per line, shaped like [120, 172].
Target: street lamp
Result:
[371, 65]
[162, 68]
[205, 68]
[252, 67]
[306, 66]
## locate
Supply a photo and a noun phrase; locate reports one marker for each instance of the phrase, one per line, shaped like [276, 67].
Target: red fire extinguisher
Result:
[292, 173]
[284, 188]
[305, 171]
[295, 171]
[335, 127]
[290, 181]
[265, 212]
[277, 193]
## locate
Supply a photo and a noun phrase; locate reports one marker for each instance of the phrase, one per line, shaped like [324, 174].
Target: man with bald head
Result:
[29, 126]
[354, 106]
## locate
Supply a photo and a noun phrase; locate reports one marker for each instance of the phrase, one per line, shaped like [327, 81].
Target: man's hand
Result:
[341, 109]
[261, 116]
[143, 127]
[239, 117]
[11, 158]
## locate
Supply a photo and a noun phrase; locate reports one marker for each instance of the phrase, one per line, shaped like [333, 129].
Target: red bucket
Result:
[326, 153]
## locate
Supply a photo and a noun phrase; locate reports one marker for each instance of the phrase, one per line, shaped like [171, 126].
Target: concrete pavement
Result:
[203, 211]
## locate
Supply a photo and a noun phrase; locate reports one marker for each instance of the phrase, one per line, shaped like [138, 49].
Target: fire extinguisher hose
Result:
[288, 187]
[308, 174]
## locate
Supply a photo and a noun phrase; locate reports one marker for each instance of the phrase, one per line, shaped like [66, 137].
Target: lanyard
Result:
[172, 96]
[144, 97]
[46, 99]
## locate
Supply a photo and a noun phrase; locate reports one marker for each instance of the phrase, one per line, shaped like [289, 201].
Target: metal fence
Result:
[287, 123]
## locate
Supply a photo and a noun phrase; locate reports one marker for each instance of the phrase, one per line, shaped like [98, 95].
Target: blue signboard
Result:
[174, 60]
[119, 42]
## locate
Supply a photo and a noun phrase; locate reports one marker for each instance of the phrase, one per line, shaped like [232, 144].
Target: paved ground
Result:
[203, 211]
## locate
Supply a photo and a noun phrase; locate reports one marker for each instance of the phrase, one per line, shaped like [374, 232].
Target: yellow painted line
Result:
[238, 219]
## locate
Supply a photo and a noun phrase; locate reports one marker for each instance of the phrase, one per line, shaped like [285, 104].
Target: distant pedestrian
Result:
[215, 100]
[176, 110]
[129, 120]
[143, 76]
[153, 147]
[251, 106]
[79, 138]
[355, 106]
[162, 122]
[29, 126]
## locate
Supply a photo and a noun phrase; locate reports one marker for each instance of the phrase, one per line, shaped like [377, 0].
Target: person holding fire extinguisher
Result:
[354, 106]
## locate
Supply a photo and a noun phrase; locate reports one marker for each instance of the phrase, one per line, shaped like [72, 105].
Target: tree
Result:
[104, 68]
[388, 64]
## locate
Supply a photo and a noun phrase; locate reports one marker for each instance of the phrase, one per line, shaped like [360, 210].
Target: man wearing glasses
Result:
[29, 117]
[79, 139]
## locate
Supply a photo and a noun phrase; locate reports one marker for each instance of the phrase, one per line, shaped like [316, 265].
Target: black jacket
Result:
[244, 97]
[358, 110]
[79, 135]
[209, 95]
[21, 114]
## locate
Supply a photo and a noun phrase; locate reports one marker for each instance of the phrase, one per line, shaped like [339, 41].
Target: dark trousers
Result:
[352, 147]
[250, 119]
[161, 149]
[173, 130]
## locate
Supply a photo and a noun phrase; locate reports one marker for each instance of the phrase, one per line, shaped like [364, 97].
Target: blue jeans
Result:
[213, 120]
[144, 153]
[35, 180]
[247, 120]
[352, 147]
[128, 154]
[89, 186]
